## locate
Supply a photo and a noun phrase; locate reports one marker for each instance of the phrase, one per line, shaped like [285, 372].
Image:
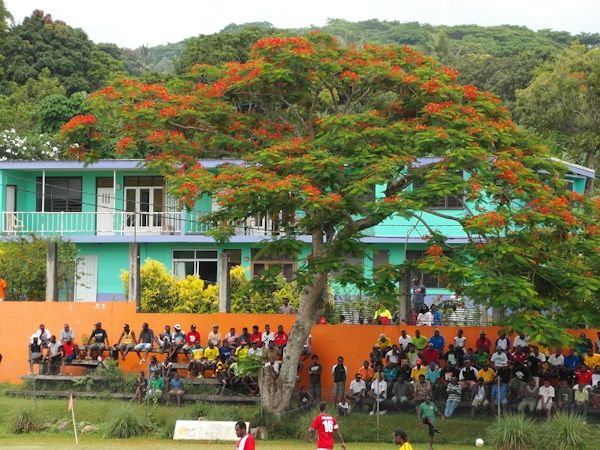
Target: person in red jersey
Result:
[246, 441]
[325, 425]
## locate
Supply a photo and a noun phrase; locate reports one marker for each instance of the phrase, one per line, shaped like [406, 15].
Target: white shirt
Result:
[38, 334]
[480, 395]
[258, 351]
[546, 392]
[521, 342]
[556, 361]
[500, 359]
[64, 334]
[54, 349]
[425, 319]
[357, 386]
[459, 342]
[379, 388]
[461, 374]
[404, 341]
[503, 343]
[274, 365]
[541, 356]
[394, 358]
[268, 337]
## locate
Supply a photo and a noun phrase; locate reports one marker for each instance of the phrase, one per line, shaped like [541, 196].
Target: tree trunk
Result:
[276, 391]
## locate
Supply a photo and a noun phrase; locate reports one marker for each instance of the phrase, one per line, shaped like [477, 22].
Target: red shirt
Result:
[68, 348]
[256, 337]
[189, 335]
[246, 443]
[519, 357]
[324, 424]
[281, 338]
[583, 377]
[484, 344]
[430, 355]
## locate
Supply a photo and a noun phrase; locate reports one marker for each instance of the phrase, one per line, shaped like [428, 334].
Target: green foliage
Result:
[25, 420]
[513, 432]
[55, 110]
[563, 431]
[249, 366]
[124, 423]
[23, 266]
[264, 294]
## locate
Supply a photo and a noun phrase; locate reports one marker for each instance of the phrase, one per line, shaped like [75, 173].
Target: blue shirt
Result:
[438, 342]
[432, 376]
[502, 391]
[225, 353]
[176, 383]
[572, 361]
[437, 317]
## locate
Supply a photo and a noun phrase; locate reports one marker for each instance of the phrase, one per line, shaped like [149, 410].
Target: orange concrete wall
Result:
[18, 320]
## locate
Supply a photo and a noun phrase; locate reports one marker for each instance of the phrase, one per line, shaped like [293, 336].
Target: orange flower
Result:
[470, 92]
[434, 251]
[78, 121]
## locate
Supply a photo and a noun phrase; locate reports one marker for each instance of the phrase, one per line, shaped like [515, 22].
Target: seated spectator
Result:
[449, 371]
[422, 390]
[211, 355]
[529, 398]
[487, 374]
[35, 353]
[518, 356]
[522, 341]
[225, 352]
[547, 372]
[546, 395]
[390, 374]
[271, 351]
[437, 341]
[244, 336]
[499, 359]
[595, 376]
[53, 356]
[195, 364]
[256, 350]
[412, 355]
[242, 351]
[165, 339]
[581, 399]
[286, 308]
[175, 389]
[43, 336]
[69, 353]
[460, 344]
[583, 376]
[479, 396]
[404, 340]
[67, 332]
[393, 356]
[591, 359]
[481, 358]
[140, 387]
[305, 399]
[432, 373]
[153, 367]
[100, 339]
[499, 396]
[166, 370]
[267, 336]
[384, 344]
[382, 315]
[281, 338]
[215, 336]
[454, 392]
[565, 397]
[595, 396]
[556, 359]
[191, 337]
[177, 343]
[232, 338]
[375, 356]
[357, 393]
[470, 356]
[144, 342]
[583, 345]
[503, 342]
[273, 364]
[366, 374]
[451, 356]
[417, 371]
[424, 318]
[378, 394]
[126, 341]
[224, 376]
[483, 344]
[572, 361]
[343, 407]
[156, 384]
[468, 376]
[256, 336]
[437, 315]
[420, 342]
[598, 342]
[540, 356]
[430, 355]
[401, 393]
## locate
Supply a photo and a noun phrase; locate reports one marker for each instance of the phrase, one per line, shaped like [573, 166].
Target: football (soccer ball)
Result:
[479, 442]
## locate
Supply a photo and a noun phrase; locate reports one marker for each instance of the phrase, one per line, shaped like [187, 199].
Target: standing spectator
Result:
[325, 425]
[382, 315]
[479, 397]
[35, 354]
[565, 397]
[522, 341]
[244, 336]
[144, 342]
[215, 336]
[281, 338]
[357, 392]
[404, 340]
[232, 338]
[499, 396]
[267, 336]
[529, 397]
[454, 392]
[153, 367]
[246, 441]
[581, 400]
[426, 414]
[378, 394]
[419, 292]
[100, 339]
[126, 341]
[468, 376]
[256, 336]
[438, 341]
[175, 389]
[546, 393]
[437, 315]
[483, 343]
[420, 342]
[286, 308]
[503, 342]
[314, 372]
[42, 334]
[340, 373]
[425, 317]
[66, 332]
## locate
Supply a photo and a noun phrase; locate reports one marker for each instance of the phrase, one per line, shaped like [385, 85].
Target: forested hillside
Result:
[47, 68]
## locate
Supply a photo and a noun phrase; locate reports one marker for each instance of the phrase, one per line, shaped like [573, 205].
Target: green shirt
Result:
[428, 411]
[420, 342]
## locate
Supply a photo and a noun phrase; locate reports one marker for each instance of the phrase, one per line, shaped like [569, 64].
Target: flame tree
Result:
[317, 127]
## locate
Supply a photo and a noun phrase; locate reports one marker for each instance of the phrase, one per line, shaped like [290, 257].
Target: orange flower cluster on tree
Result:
[79, 121]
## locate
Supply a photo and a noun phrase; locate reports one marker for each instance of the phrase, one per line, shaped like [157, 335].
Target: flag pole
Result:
[71, 407]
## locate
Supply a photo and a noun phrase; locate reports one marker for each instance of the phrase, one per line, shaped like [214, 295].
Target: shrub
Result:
[25, 420]
[512, 432]
[193, 296]
[564, 431]
[264, 294]
[124, 423]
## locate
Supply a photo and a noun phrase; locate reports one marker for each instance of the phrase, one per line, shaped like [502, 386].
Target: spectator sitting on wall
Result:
[581, 399]
[225, 352]
[384, 344]
[35, 353]
[481, 357]
[267, 336]
[153, 367]
[419, 341]
[177, 343]
[433, 373]
[100, 339]
[438, 341]
[401, 393]
[382, 315]
[191, 337]
[468, 376]
[583, 376]
[286, 308]
[211, 353]
[43, 336]
[488, 374]
[483, 343]
[546, 395]
[175, 389]
[232, 338]
[66, 332]
[425, 317]
[126, 341]
[556, 359]
[522, 341]
[256, 335]
[165, 340]
[144, 342]
[565, 396]
[499, 358]
[393, 356]
[69, 352]
[417, 371]
[451, 356]
[281, 338]
[215, 336]
[244, 336]
[404, 340]
[591, 359]
[53, 355]
[503, 342]
[412, 355]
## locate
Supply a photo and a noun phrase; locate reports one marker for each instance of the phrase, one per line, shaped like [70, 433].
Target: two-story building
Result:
[106, 206]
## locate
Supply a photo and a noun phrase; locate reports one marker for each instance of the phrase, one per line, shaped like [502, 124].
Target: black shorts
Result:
[429, 424]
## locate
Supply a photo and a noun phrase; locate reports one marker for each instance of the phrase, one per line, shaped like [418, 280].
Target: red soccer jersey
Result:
[324, 424]
[256, 337]
[281, 339]
[246, 443]
[584, 378]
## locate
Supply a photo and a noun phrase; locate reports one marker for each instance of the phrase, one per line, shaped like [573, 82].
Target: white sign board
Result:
[205, 430]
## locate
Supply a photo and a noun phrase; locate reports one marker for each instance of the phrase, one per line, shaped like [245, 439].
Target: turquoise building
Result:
[106, 206]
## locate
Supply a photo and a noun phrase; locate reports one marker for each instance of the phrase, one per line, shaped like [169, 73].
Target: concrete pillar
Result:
[224, 284]
[51, 272]
[134, 275]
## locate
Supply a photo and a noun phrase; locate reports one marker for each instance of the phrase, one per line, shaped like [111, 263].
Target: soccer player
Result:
[401, 438]
[324, 425]
[246, 441]
[427, 413]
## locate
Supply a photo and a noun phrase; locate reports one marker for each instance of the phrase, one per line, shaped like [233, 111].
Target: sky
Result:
[132, 23]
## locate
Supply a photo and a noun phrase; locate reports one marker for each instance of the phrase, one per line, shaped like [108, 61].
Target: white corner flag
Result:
[71, 408]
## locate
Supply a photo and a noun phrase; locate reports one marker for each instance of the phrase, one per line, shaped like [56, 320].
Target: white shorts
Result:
[548, 404]
[143, 346]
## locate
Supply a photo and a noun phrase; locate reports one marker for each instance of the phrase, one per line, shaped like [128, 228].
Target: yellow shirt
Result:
[406, 446]
[592, 361]
[487, 375]
[127, 338]
[384, 344]
[197, 354]
[415, 373]
[211, 353]
[383, 313]
[241, 352]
